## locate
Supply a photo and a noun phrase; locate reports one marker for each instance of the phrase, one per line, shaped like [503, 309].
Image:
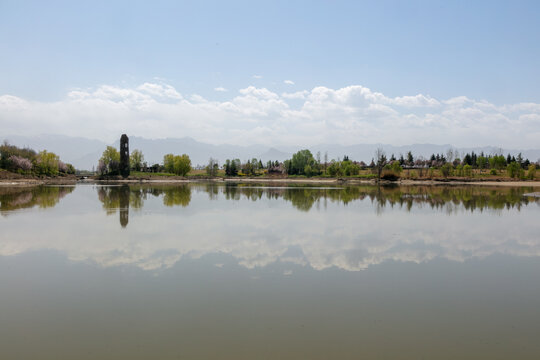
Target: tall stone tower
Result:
[124, 156]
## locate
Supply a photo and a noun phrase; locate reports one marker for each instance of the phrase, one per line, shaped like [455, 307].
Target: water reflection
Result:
[15, 198]
[304, 198]
[121, 198]
[350, 228]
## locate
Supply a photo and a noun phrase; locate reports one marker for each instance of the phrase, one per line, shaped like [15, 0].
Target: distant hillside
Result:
[84, 153]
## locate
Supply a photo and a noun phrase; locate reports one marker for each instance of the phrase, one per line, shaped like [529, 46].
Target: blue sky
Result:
[483, 50]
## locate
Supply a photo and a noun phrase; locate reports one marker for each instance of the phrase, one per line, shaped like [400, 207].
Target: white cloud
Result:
[220, 89]
[257, 76]
[349, 115]
[295, 95]
[289, 82]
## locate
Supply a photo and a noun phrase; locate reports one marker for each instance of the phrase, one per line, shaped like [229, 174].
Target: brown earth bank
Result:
[10, 178]
[13, 179]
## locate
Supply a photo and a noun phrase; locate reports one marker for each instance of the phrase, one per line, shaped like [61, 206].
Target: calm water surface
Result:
[208, 271]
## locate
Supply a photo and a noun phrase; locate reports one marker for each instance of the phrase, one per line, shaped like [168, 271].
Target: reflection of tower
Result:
[124, 205]
[124, 155]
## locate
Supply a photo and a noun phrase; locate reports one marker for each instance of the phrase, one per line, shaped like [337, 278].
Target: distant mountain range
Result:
[84, 153]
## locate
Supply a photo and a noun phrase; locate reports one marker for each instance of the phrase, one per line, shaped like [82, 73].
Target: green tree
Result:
[299, 162]
[334, 169]
[467, 170]
[446, 169]
[168, 163]
[182, 165]
[136, 159]
[350, 168]
[47, 163]
[482, 162]
[513, 169]
[410, 159]
[531, 173]
[111, 160]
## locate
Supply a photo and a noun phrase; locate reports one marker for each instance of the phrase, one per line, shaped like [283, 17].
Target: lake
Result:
[238, 271]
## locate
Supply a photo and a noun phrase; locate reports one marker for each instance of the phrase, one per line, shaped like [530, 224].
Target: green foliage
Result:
[396, 167]
[309, 171]
[482, 162]
[168, 163]
[467, 170]
[350, 168]
[182, 165]
[299, 161]
[46, 163]
[446, 169]
[513, 169]
[343, 168]
[111, 161]
[231, 167]
[531, 173]
[334, 169]
[136, 159]
[177, 164]
[497, 162]
[493, 172]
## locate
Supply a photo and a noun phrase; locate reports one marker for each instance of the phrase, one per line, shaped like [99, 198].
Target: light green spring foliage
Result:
[47, 163]
[531, 173]
[136, 159]
[497, 162]
[482, 162]
[168, 163]
[343, 168]
[110, 160]
[177, 164]
[447, 169]
[514, 170]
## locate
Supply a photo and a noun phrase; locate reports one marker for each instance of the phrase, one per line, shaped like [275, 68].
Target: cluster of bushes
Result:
[177, 164]
[29, 162]
[251, 167]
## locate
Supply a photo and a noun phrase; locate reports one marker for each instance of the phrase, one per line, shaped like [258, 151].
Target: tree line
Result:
[27, 161]
[304, 163]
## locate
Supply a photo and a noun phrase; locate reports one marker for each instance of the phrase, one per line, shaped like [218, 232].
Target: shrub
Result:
[446, 169]
[531, 172]
[47, 163]
[20, 163]
[390, 175]
[513, 169]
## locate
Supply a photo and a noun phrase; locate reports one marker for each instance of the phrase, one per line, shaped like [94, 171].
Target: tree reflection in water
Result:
[15, 198]
[123, 197]
[444, 198]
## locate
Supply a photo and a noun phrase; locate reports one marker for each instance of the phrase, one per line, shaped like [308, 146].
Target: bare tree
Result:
[450, 153]
[381, 161]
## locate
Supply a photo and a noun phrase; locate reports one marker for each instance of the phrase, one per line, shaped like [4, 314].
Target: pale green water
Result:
[250, 272]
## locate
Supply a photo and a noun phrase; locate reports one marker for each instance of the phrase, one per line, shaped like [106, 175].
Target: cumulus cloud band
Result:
[350, 115]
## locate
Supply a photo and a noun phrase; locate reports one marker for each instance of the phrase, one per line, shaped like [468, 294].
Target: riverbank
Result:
[21, 181]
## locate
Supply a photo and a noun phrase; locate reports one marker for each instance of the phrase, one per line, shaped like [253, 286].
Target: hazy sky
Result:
[274, 72]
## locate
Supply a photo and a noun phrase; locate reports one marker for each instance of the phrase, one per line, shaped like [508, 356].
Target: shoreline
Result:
[280, 181]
